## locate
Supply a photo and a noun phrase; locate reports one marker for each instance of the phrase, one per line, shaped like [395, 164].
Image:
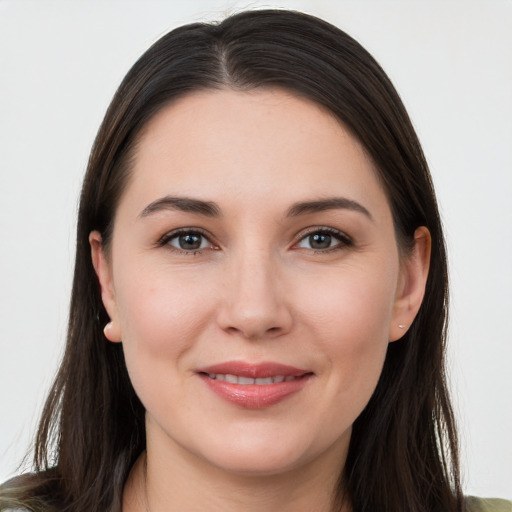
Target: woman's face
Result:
[253, 241]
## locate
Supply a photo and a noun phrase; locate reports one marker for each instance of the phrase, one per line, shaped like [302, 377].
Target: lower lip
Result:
[255, 396]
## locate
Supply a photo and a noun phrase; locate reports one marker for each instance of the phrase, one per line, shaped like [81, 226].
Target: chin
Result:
[259, 455]
[258, 464]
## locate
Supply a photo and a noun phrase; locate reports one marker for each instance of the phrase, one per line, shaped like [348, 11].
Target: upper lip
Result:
[252, 370]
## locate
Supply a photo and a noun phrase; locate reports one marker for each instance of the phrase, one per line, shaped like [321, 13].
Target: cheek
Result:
[350, 323]
[162, 318]
[353, 304]
[161, 315]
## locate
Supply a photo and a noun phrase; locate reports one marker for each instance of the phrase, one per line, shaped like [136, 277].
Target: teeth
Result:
[268, 380]
[244, 381]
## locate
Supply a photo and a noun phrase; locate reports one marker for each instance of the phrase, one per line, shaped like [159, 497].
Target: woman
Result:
[258, 306]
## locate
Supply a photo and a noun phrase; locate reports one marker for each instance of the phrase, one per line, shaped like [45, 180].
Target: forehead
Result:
[256, 145]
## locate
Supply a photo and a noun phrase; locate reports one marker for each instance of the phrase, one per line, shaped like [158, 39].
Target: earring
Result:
[401, 326]
[112, 332]
[107, 328]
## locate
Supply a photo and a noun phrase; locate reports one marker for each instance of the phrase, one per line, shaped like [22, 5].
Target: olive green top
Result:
[488, 505]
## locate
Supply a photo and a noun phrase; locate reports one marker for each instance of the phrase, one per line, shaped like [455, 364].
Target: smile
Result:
[245, 381]
[254, 386]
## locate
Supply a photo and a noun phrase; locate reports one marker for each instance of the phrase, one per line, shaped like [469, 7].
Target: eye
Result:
[324, 239]
[186, 241]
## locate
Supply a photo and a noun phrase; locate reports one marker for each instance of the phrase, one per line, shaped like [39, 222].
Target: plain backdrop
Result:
[451, 61]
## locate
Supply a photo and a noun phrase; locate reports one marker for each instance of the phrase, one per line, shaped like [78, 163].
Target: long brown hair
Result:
[403, 449]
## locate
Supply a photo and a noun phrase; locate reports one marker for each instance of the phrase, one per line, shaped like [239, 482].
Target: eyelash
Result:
[343, 239]
[166, 239]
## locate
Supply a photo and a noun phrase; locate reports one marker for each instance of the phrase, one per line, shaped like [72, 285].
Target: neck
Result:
[157, 485]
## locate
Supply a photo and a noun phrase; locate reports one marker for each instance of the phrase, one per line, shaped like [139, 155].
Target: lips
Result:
[254, 386]
[245, 381]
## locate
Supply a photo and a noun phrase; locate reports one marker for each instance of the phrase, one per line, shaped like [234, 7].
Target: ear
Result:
[411, 284]
[103, 271]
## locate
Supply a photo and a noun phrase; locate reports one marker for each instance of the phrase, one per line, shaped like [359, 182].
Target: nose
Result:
[255, 305]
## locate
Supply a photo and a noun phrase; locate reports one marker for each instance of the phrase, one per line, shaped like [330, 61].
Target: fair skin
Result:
[258, 277]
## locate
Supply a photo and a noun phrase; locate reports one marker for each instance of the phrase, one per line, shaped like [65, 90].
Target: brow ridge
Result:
[211, 209]
[184, 204]
[330, 203]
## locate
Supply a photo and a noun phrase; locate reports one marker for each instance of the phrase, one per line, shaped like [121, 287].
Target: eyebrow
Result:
[211, 209]
[331, 203]
[184, 204]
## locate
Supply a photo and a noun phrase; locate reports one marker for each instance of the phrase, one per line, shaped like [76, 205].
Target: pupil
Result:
[320, 241]
[190, 241]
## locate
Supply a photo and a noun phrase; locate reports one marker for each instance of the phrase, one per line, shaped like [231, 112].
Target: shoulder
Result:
[29, 492]
[488, 505]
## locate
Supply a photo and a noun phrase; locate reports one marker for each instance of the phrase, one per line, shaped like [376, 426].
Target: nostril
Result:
[254, 319]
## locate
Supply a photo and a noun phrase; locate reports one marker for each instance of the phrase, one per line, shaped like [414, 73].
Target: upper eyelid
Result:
[320, 229]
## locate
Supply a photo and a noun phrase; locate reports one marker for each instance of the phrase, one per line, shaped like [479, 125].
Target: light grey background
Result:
[60, 63]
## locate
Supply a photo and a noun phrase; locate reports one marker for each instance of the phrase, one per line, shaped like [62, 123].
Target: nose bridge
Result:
[254, 305]
[255, 278]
